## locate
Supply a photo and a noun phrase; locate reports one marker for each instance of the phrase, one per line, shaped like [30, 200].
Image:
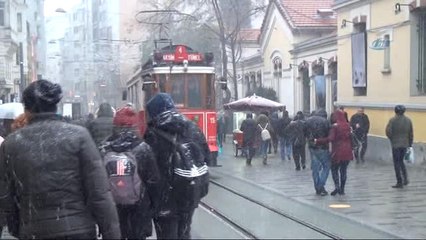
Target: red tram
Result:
[188, 76]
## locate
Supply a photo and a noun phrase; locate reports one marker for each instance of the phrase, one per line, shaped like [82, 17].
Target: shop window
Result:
[19, 21]
[278, 67]
[386, 62]
[259, 78]
[306, 89]
[359, 59]
[421, 61]
[2, 10]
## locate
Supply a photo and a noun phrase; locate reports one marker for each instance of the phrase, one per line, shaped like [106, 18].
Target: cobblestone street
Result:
[369, 193]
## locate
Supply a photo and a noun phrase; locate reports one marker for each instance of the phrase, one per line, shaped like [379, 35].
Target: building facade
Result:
[283, 55]
[381, 52]
[22, 47]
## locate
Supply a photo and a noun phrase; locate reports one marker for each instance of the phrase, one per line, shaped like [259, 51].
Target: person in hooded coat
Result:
[317, 126]
[135, 220]
[57, 187]
[341, 150]
[170, 220]
[249, 129]
[101, 127]
[296, 135]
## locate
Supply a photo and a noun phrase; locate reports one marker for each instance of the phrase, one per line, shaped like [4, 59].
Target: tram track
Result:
[249, 233]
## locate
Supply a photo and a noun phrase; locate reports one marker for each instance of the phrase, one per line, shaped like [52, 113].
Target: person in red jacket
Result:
[341, 150]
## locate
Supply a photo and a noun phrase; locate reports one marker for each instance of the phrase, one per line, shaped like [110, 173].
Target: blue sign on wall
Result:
[380, 44]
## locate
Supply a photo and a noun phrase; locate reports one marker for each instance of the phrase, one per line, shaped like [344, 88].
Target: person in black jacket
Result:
[171, 221]
[57, 184]
[249, 129]
[135, 220]
[101, 127]
[317, 126]
[360, 125]
[285, 145]
[296, 135]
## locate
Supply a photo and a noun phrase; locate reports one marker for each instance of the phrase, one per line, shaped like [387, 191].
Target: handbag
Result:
[409, 155]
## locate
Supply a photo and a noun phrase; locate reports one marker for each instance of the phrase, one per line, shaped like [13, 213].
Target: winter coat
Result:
[317, 126]
[296, 133]
[340, 138]
[172, 123]
[282, 125]
[59, 180]
[364, 124]
[101, 127]
[249, 129]
[400, 131]
[274, 120]
[149, 174]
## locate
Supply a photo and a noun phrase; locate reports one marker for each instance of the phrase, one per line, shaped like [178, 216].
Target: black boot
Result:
[264, 160]
[248, 162]
[333, 193]
[342, 187]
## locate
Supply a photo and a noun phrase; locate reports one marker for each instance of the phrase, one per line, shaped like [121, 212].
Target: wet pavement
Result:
[372, 201]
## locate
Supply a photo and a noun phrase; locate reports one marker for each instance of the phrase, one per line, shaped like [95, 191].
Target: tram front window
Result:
[194, 91]
[178, 90]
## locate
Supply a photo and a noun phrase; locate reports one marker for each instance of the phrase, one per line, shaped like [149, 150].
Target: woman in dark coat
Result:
[57, 184]
[249, 129]
[101, 127]
[341, 151]
[135, 219]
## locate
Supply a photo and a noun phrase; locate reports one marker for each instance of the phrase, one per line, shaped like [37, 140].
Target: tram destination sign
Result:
[181, 54]
[192, 57]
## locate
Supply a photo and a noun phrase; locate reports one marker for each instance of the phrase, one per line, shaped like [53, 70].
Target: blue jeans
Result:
[285, 148]
[264, 148]
[320, 164]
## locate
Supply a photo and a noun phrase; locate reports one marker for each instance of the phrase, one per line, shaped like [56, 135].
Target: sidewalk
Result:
[399, 211]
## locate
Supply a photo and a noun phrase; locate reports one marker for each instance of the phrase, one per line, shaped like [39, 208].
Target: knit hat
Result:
[42, 96]
[158, 104]
[125, 117]
[399, 109]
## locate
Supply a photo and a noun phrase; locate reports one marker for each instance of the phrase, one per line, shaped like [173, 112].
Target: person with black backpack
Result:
[182, 155]
[133, 174]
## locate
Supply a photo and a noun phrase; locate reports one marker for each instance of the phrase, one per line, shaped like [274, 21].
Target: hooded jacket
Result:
[126, 141]
[340, 138]
[164, 117]
[59, 181]
[101, 127]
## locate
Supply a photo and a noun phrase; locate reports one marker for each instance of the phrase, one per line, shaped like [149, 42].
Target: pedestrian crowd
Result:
[332, 142]
[63, 179]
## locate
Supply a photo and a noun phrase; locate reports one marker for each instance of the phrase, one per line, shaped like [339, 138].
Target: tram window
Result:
[210, 91]
[194, 91]
[178, 90]
[162, 82]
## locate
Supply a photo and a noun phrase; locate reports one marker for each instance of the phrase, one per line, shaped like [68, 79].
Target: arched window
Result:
[278, 67]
